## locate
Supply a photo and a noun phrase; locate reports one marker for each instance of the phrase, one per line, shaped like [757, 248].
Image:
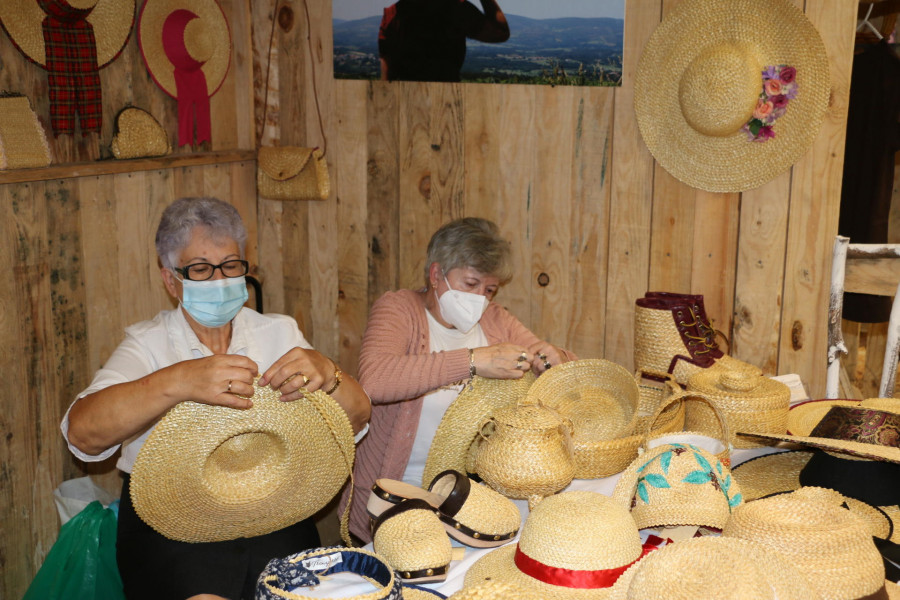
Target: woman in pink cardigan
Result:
[420, 347]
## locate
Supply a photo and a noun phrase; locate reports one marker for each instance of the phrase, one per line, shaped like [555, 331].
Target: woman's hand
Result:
[299, 369]
[217, 380]
[502, 361]
[545, 356]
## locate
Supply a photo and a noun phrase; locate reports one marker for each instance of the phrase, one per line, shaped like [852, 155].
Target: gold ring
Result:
[228, 391]
[305, 380]
[542, 356]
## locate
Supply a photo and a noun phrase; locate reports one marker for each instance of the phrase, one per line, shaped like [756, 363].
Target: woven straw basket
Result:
[749, 403]
[526, 452]
[601, 400]
[23, 143]
[138, 135]
[456, 439]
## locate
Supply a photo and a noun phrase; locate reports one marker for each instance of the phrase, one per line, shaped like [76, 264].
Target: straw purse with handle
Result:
[138, 134]
[23, 143]
[292, 173]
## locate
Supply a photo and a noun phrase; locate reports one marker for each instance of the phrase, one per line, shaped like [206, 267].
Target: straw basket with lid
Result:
[603, 401]
[749, 403]
[526, 452]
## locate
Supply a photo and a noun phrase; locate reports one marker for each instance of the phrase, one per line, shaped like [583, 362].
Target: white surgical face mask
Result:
[461, 309]
[214, 302]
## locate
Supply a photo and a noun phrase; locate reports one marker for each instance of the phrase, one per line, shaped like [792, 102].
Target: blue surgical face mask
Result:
[214, 302]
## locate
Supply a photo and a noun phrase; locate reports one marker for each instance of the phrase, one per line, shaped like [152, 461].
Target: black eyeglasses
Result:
[204, 271]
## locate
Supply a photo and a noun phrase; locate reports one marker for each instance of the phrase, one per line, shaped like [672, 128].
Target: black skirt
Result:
[157, 568]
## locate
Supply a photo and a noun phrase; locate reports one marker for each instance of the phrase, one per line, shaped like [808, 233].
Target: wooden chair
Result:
[866, 269]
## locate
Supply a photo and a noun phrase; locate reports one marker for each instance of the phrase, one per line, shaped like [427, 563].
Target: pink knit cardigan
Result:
[397, 368]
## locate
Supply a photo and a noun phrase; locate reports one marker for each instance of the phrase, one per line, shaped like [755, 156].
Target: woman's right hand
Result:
[217, 380]
[502, 361]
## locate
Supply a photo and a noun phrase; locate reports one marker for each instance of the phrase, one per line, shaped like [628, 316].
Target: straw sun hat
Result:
[700, 78]
[211, 473]
[817, 536]
[573, 545]
[207, 39]
[867, 429]
[111, 21]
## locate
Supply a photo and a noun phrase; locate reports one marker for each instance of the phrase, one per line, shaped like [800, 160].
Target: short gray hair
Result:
[470, 242]
[179, 219]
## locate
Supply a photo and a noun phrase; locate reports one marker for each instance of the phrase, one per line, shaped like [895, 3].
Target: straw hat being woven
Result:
[111, 20]
[700, 77]
[206, 38]
[817, 536]
[577, 534]
[211, 473]
[456, 438]
[713, 568]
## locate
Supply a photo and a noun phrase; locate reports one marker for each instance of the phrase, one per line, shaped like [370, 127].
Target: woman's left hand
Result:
[545, 356]
[299, 371]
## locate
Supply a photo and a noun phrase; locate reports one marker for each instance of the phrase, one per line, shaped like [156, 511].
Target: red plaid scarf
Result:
[72, 68]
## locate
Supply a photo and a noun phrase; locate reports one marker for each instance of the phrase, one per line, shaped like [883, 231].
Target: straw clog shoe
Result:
[411, 539]
[471, 513]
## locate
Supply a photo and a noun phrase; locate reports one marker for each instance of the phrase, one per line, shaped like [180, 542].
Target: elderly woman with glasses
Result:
[207, 350]
[421, 346]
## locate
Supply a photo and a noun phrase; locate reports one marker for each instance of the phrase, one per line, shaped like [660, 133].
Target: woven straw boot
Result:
[704, 327]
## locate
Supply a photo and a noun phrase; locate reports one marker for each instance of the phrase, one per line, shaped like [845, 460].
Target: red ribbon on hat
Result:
[573, 578]
[190, 82]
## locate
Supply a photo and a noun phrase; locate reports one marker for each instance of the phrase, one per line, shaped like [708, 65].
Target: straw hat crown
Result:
[699, 87]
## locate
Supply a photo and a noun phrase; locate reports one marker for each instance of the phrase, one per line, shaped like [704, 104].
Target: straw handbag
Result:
[292, 173]
[138, 135]
[23, 143]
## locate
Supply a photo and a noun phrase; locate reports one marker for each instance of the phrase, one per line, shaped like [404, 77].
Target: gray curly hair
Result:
[179, 219]
[470, 242]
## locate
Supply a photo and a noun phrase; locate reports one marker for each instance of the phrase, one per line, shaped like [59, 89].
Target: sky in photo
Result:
[348, 10]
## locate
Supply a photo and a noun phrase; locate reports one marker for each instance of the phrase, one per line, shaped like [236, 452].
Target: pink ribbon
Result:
[190, 82]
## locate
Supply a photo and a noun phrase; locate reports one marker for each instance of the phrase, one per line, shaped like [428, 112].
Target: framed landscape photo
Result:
[564, 42]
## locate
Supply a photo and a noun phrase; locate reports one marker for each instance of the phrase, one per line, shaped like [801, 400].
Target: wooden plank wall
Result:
[593, 224]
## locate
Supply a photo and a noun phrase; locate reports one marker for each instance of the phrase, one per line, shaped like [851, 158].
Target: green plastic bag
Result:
[81, 564]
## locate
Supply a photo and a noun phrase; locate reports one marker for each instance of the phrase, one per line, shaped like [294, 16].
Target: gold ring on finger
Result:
[305, 380]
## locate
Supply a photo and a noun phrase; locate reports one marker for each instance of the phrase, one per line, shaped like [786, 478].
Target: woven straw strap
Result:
[680, 395]
[348, 450]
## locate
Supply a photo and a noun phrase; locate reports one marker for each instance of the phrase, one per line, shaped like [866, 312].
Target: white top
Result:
[168, 339]
[435, 403]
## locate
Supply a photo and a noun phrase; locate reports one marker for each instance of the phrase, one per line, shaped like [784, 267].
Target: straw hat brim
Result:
[458, 429]
[112, 21]
[693, 568]
[150, 23]
[780, 472]
[212, 473]
[499, 565]
[857, 449]
[778, 33]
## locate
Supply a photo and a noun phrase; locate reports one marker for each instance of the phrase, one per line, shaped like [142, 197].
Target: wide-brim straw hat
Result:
[601, 399]
[779, 472]
[820, 537]
[111, 20]
[865, 429]
[456, 438]
[749, 402]
[678, 484]
[207, 40]
[572, 536]
[211, 473]
[698, 81]
[713, 568]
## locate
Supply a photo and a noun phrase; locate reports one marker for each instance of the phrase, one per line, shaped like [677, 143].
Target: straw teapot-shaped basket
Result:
[526, 452]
